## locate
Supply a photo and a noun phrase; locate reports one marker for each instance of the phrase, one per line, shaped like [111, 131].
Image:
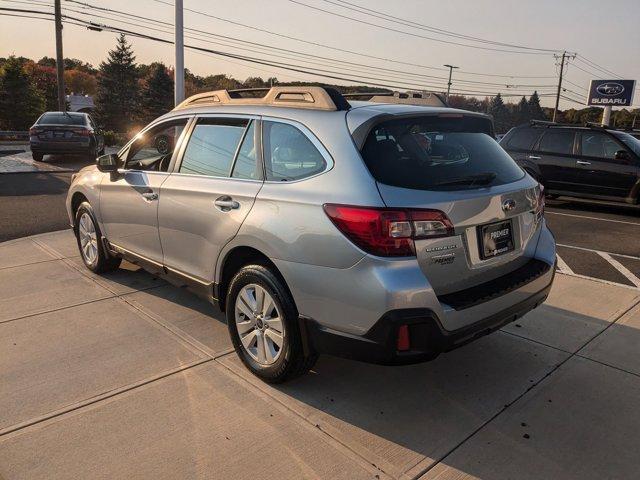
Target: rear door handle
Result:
[226, 203]
[150, 196]
[534, 157]
[582, 162]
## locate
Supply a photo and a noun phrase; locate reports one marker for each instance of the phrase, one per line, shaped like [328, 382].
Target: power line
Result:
[290, 67]
[594, 65]
[392, 72]
[416, 35]
[410, 23]
[318, 44]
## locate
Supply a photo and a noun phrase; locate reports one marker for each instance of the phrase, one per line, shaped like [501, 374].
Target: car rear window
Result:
[523, 138]
[61, 119]
[437, 153]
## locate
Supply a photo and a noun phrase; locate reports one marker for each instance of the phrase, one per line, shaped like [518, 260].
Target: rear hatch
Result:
[450, 162]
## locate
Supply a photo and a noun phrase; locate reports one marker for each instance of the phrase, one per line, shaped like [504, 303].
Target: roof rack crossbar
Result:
[410, 97]
[317, 98]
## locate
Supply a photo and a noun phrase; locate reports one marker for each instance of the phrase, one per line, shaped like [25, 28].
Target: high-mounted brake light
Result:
[388, 232]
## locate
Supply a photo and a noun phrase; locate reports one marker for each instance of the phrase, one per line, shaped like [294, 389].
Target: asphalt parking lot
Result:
[125, 376]
[597, 240]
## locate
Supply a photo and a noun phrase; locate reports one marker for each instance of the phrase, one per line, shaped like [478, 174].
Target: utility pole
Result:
[563, 59]
[451, 67]
[178, 72]
[62, 102]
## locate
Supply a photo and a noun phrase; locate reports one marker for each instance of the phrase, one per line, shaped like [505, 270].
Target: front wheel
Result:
[263, 325]
[89, 240]
[37, 156]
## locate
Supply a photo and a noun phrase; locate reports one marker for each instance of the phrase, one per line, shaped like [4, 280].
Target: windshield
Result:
[61, 119]
[630, 141]
[438, 152]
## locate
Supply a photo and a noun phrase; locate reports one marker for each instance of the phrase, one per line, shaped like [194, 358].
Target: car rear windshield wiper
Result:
[480, 179]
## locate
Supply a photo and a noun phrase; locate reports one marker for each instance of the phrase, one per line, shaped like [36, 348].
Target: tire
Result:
[37, 156]
[88, 234]
[271, 363]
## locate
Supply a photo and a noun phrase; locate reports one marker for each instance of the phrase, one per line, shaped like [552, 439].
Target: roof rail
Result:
[317, 98]
[598, 126]
[425, 98]
[544, 123]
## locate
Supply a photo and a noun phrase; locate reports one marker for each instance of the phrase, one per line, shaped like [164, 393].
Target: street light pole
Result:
[179, 44]
[451, 67]
[62, 103]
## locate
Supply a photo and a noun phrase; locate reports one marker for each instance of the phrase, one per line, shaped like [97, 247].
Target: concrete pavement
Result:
[125, 376]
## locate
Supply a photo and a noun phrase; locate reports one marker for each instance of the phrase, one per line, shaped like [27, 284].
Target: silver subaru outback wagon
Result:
[379, 232]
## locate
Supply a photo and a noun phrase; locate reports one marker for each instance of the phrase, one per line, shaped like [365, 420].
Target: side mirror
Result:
[622, 155]
[108, 163]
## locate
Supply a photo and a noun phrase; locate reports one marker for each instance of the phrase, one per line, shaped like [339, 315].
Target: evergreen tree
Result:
[535, 110]
[20, 101]
[157, 94]
[522, 111]
[117, 95]
[498, 110]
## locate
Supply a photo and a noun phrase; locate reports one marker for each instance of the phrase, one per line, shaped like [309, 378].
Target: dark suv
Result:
[580, 161]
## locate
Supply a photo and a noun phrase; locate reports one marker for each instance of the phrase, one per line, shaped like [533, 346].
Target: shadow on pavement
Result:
[41, 183]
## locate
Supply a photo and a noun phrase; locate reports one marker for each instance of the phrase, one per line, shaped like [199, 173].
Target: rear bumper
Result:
[428, 337]
[86, 146]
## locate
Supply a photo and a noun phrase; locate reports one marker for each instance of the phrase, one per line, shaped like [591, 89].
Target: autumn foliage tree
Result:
[21, 103]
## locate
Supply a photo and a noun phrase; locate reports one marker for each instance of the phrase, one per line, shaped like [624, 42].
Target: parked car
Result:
[385, 233]
[65, 133]
[581, 161]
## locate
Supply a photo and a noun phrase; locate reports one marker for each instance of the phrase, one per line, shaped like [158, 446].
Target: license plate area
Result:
[495, 239]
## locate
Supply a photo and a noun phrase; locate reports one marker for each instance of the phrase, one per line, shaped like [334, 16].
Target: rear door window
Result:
[289, 154]
[557, 141]
[523, 138]
[598, 144]
[436, 153]
[212, 147]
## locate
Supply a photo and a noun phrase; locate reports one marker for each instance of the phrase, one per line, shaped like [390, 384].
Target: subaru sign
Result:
[615, 93]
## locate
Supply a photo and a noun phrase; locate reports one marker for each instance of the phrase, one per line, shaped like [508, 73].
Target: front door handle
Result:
[226, 203]
[534, 157]
[582, 162]
[150, 196]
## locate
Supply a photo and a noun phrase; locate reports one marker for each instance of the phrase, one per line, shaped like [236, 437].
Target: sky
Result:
[604, 32]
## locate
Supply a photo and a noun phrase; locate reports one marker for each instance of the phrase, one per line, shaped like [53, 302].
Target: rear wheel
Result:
[89, 240]
[37, 156]
[263, 324]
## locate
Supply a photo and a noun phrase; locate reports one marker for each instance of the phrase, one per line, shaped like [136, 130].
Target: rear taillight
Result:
[34, 131]
[83, 132]
[388, 232]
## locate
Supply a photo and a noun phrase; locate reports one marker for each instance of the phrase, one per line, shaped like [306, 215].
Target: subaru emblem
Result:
[610, 89]
[508, 205]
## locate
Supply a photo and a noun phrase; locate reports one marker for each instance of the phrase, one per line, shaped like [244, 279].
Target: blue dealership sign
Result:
[616, 93]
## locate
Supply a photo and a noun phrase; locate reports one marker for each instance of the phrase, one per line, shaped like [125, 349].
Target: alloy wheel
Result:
[259, 324]
[88, 239]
